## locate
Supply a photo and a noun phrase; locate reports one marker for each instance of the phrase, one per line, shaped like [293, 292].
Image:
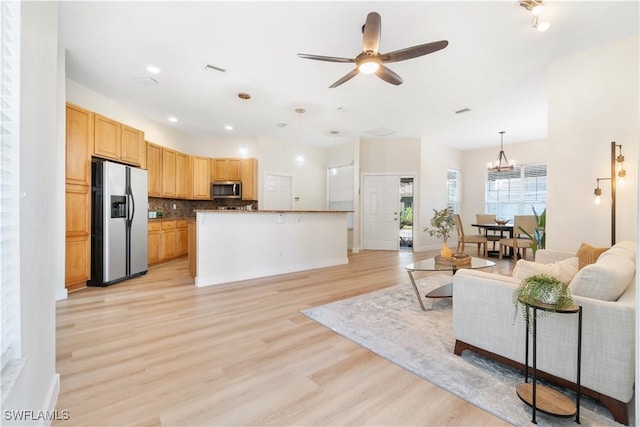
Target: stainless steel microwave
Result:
[226, 190]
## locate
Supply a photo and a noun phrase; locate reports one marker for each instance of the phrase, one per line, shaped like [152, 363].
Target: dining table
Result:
[502, 228]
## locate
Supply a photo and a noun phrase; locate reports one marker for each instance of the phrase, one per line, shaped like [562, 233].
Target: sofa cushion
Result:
[606, 280]
[587, 254]
[562, 270]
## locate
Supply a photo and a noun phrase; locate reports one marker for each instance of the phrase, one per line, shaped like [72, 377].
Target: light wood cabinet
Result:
[183, 175]
[154, 167]
[168, 172]
[168, 239]
[133, 148]
[182, 237]
[77, 262]
[249, 178]
[78, 210]
[79, 128]
[116, 141]
[225, 169]
[154, 243]
[200, 178]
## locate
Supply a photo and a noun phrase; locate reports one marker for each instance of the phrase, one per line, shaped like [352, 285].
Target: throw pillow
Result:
[606, 280]
[587, 254]
[562, 270]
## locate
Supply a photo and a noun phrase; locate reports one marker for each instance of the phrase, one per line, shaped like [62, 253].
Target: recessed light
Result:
[228, 127]
[153, 69]
[172, 119]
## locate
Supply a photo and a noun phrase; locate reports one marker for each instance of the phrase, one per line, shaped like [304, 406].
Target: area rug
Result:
[391, 324]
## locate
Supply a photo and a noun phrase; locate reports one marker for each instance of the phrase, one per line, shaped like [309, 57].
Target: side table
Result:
[540, 397]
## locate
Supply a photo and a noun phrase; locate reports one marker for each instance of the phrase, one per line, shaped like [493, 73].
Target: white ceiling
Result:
[495, 64]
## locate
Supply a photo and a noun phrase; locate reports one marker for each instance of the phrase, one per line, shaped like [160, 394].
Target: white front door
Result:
[381, 215]
[278, 192]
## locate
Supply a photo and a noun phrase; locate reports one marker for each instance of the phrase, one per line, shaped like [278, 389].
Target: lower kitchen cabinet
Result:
[182, 237]
[77, 262]
[153, 242]
[167, 239]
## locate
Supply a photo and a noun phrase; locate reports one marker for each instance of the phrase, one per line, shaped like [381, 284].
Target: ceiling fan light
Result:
[541, 26]
[368, 67]
[537, 9]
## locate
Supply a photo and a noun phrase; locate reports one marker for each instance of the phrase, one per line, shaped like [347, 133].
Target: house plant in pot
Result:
[541, 289]
[442, 225]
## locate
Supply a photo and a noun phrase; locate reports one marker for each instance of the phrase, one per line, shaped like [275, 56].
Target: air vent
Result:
[214, 68]
[464, 110]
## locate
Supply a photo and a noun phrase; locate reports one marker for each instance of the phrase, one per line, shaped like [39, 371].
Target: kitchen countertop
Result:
[172, 219]
[266, 211]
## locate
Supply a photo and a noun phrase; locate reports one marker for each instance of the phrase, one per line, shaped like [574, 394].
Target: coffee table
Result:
[430, 264]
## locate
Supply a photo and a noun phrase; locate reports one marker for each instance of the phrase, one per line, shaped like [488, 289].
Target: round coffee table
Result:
[430, 264]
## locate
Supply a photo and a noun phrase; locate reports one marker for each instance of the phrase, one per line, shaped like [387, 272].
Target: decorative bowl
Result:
[501, 221]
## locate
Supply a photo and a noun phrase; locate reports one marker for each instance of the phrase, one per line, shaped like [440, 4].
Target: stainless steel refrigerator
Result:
[119, 222]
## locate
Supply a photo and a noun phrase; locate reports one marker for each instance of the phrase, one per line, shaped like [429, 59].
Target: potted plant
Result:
[541, 288]
[538, 240]
[442, 225]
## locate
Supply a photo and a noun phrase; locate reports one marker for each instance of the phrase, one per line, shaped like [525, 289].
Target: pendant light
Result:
[300, 157]
[501, 164]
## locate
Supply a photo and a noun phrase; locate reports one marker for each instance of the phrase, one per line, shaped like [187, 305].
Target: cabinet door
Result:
[201, 178]
[182, 240]
[168, 172]
[220, 167]
[249, 178]
[233, 169]
[154, 166]
[182, 175]
[106, 137]
[168, 239]
[77, 262]
[154, 244]
[78, 210]
[132, 146]
[78, 145]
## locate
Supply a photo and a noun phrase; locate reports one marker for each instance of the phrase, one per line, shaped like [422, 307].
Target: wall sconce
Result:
[618, 174]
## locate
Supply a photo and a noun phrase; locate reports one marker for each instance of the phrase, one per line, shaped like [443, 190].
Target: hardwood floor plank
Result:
[157, 350]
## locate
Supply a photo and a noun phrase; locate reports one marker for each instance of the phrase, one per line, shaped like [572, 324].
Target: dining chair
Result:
[491, 235]
[464, 239]
[519, 239]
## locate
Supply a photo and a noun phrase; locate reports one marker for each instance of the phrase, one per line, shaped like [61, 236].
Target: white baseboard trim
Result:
[51, 399]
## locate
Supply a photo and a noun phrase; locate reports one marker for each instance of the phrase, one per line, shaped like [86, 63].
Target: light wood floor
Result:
[156, 350]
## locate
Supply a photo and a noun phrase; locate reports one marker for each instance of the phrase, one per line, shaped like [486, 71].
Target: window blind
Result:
[517, 192]
[9, 184]
[453, 190]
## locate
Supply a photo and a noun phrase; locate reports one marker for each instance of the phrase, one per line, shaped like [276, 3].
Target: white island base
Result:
[240, 245]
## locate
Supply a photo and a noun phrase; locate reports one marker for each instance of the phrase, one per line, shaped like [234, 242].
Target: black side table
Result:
[540, 397]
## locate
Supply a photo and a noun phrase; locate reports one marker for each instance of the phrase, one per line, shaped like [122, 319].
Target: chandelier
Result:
[501, 164]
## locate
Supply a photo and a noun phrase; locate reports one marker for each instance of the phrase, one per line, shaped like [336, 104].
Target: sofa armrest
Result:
[549, 256]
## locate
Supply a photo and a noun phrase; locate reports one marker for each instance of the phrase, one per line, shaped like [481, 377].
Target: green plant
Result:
[541, 288]
[539, 237]
[406, 217]
[442, 224]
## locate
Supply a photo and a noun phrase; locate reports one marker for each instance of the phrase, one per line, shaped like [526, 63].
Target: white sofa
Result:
[484, 322]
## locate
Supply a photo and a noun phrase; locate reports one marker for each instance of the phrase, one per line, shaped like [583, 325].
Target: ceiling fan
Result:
[371, 61]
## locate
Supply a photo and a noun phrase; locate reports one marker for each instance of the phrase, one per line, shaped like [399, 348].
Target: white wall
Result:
[435, 160]
[593, 100]
[41, 209]
[101, 104]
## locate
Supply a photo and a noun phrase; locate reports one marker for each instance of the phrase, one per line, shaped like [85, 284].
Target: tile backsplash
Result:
[185, 208]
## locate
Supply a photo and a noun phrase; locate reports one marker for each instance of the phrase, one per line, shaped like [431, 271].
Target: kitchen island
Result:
[234, 245]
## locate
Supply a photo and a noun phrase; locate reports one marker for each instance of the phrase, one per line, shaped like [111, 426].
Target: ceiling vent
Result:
[214, 68]
[381, 131]
[464, 110]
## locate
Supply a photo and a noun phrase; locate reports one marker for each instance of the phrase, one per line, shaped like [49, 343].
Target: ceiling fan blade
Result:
[389, 76]
[325, 58]
[345, 78]
[372, 29]
[414, 52]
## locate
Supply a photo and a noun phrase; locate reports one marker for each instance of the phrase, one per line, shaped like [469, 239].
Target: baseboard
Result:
[51, 400]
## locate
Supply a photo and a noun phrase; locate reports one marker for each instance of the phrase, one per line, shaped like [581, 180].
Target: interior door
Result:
[380, 212]
[278, 192]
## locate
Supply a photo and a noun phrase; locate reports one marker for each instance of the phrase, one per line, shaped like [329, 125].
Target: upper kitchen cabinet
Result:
[225, 169]
[168, 172]
[200, 178]
[154, 166]
[113, 140]
[249, 178]
[79, 129]
[183, 175]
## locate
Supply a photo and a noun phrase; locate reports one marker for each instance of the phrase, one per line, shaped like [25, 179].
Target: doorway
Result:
[387, 212]
[278, 192]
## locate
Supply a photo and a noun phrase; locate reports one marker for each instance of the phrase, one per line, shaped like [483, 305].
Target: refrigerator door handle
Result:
[132, 206]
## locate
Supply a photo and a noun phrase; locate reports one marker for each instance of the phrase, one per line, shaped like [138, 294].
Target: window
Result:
[340, 188]
[517, 192]
[453, 190]
[9, 191]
